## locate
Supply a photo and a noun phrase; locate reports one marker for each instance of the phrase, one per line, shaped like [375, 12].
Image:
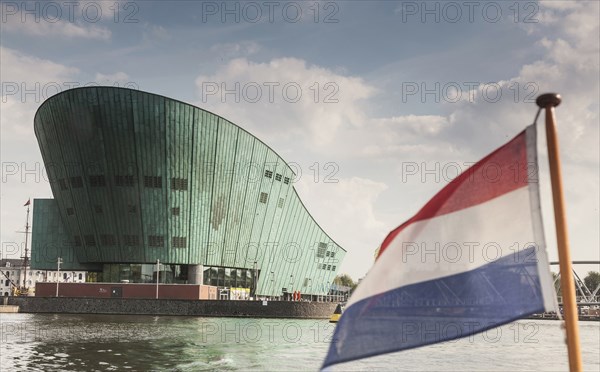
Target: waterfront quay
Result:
[207, 308]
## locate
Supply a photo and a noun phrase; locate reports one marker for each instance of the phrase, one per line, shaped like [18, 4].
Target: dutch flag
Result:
[471, 259]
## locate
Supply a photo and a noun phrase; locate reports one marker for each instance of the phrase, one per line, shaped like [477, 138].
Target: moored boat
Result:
[339, 309]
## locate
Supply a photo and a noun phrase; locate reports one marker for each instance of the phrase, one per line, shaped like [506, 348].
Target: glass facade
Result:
[230, 277]
[144, 273]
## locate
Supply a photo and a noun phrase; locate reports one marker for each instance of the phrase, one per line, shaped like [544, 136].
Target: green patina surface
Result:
[139, 177]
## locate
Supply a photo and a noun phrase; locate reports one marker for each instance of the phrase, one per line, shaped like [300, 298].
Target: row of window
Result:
[109, 240]
[278, 176]
[326, 267]
[153, 182]
[175, 211]
[131, 208]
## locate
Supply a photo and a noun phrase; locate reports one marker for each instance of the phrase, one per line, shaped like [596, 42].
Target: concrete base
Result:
[9, 309]
[209, 308]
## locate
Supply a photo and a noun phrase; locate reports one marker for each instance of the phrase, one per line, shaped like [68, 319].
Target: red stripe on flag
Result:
[501, 172]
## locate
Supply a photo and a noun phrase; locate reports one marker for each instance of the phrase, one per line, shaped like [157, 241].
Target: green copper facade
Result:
[138, 177]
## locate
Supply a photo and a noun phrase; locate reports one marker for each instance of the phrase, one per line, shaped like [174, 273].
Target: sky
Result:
[377, 105]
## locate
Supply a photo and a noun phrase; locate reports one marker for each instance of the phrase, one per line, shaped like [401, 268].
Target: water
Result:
[35, 342]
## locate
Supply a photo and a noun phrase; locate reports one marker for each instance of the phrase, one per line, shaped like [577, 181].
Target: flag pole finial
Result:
[548, 99]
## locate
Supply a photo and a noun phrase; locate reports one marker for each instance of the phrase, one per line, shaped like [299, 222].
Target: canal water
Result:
[36, 342]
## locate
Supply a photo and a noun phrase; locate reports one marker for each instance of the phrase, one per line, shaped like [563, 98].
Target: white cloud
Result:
[346, 211]
[118, 78]
[309, 103]
[70, 20]
[155, 34]
[372, 197]
[570, 67]
[60, 29]
[228, 51]
[26, 82]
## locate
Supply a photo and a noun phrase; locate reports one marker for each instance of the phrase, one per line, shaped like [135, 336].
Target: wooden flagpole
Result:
[548, 102]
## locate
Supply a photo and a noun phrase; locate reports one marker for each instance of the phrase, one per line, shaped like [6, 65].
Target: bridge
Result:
[584, 295]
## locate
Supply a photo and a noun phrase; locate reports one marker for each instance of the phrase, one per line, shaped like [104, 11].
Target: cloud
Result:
[310, 103]
[119, 78]
[346, 211]
[228, 51]
[56, 24]
[338, 118]
[26, 82]
[374, 196]
[569, 66]
[153, 34]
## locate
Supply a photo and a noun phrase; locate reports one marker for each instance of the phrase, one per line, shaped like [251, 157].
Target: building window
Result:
[332, 254]
[333, 268]
[107, 240]
[179, 184]
[98, 208]
[321, 250]
[328, 267]
[77, 239]
[131, 240]
[286, 180]
[63, 184]
[263, 197]
[327, 254]
[179, 242]
[76, 182]
[280, 203]
[97, 181]
[324, 266]
[90, 240]
[154, 182]
[175, 211]
[80, 276]
[124, 180]
[156, 241]
[278, 177]
[268, 174]
[70, 211]
[132, 208]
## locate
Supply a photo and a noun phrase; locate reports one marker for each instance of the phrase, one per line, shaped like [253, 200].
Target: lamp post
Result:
[157, 276]
[58, 262]
[254, 280]
[272, 282]
[291, 286]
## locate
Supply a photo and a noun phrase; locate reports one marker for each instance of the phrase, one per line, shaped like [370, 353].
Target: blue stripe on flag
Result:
[439, 310]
